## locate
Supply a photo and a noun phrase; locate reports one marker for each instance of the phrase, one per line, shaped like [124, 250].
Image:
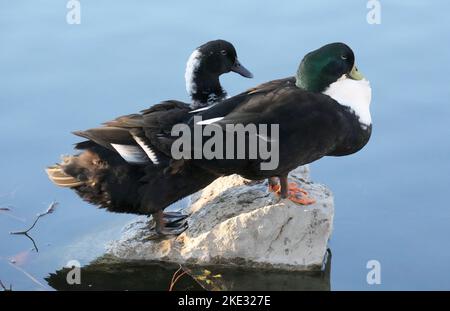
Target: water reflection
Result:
[109, 273]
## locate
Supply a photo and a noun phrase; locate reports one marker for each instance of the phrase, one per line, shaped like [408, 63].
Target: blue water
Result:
[391, 198]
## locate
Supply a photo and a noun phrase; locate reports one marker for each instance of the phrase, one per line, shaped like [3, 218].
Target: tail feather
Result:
[101, 177]
[59, 178]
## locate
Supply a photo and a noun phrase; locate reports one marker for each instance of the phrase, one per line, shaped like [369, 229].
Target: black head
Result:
[326, 65]
[204, 67]
[218, 57]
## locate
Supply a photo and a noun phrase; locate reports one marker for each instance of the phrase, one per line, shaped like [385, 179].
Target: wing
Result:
[161, 117]
[256, 104]
[309, 123]
[106, 136]
[159, 120]
[125, 141]
[267, 86]
[127, 121]
[229, 105]
[134, 136]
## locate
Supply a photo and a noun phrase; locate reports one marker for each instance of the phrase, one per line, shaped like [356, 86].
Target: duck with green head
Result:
[322, 111]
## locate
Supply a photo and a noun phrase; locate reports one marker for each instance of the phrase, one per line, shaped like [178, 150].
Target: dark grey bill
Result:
[238, 68]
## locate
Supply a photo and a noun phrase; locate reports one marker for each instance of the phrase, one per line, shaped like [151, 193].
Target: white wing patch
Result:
[201, 109]
[209, 121]
[131, 153]
[148, 151]
[265, 138]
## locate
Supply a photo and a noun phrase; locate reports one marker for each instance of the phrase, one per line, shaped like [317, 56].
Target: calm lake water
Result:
[391, 198]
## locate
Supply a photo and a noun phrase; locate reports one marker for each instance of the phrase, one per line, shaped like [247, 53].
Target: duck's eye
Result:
[344, 57]
[223, 52]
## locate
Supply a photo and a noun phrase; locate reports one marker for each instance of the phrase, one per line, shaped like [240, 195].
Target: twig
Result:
[32, 241]
[189, 272]
[176, 277]
[49, 210]
[173, 276]
[4, 287]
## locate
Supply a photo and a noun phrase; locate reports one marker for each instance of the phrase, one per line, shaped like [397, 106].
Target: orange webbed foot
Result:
[299, 195]
[295, 193]
[302, 200]
[293, 187]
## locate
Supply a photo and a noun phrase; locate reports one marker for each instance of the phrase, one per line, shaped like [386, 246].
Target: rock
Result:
[238, 222]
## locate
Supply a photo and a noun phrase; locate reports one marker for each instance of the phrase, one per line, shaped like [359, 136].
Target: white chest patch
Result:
[355, 94]
[191, 68]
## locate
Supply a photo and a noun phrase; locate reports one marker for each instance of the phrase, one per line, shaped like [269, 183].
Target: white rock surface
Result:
[238, 222]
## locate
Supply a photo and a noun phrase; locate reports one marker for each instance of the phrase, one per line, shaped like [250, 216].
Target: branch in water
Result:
[49, 210]
[4, 287]
[176, 276]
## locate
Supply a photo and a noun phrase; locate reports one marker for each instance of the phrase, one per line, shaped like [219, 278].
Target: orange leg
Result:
[273, 185]
[274, 188]
[290, 191]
